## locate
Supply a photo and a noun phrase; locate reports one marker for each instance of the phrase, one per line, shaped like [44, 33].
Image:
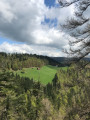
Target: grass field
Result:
[44, 75]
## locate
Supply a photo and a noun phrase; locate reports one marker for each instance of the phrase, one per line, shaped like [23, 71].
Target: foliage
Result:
[78, 27]
[20, 61]
[69, 93]
[65, 98]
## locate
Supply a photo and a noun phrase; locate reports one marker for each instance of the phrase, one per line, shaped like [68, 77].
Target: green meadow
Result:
[45, 75]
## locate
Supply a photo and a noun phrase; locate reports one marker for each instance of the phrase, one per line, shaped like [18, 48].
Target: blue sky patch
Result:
[49, 3]
[50, 22]
[2, 40]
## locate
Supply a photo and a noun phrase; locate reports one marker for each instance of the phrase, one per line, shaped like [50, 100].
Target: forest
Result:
[19, 61]
[21, 98]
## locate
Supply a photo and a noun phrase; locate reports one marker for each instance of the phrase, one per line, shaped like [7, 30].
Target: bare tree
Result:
[78, 27]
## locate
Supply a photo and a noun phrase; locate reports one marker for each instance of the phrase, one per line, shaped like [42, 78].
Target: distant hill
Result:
[66, 61]
[60, 59]
[87, 59]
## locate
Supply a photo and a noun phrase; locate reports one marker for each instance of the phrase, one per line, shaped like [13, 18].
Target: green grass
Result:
[45, 75]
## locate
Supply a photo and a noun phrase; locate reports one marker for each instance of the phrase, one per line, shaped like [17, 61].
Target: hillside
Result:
[65, 98]
[32, 89]
[45, 74]
[67, 61]
[20, 61]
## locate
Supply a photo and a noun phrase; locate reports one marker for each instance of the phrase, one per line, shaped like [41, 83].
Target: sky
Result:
[28, 26]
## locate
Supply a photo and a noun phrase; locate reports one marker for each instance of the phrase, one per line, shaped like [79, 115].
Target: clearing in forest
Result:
[45, 74]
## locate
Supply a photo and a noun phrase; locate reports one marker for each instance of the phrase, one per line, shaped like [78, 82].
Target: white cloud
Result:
[60, 14]
[20, 20]
[6, 12]
[31, 49]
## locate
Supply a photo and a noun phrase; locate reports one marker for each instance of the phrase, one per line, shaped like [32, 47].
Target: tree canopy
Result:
[78, 28]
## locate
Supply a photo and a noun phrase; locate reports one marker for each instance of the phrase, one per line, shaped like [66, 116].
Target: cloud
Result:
[5, 12]
[21, 21]
[27, 18]
[61, 14]
[30, 49]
